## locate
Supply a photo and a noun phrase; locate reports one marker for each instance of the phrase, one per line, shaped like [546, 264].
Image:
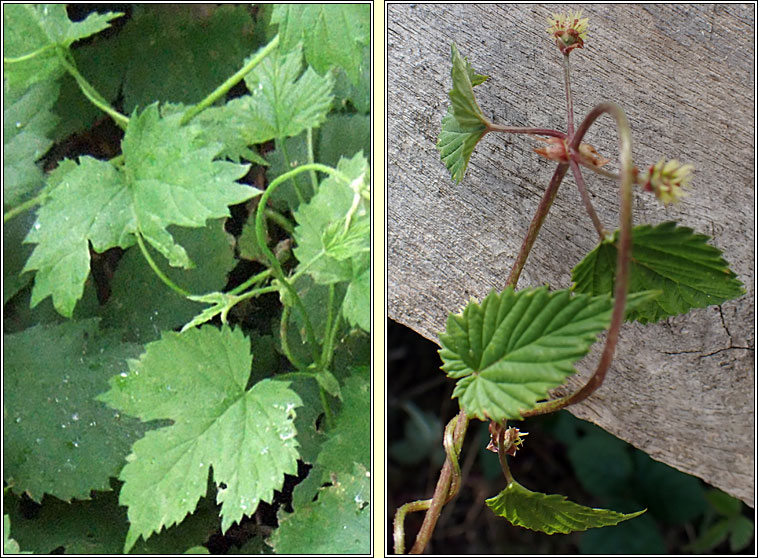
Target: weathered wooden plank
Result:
[682, 390]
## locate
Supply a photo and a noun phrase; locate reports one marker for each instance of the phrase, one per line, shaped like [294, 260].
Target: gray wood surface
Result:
[682, 390]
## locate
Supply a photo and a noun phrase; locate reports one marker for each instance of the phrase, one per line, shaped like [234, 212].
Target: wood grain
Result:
[682, 390]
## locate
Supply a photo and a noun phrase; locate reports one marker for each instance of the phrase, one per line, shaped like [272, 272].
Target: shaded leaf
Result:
[180, 54]
[338, 522]
[99, 526]
[333, 34]
[511, 349]
[689, 272]
[27, 124]
[350, 440]
[31, 33]
[198, 380]
[550, 513]
[10, 546]
[57, 439]
[143, 305]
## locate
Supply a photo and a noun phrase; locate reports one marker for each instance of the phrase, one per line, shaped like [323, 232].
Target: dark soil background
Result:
[416, 387]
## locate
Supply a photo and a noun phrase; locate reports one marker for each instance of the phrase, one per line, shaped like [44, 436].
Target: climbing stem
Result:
[580, 185]
[274, 263]
[569, 98]
[622, 261]
[442, 493]
[534, 227]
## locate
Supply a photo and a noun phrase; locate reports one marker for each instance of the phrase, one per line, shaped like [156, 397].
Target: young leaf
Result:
[334, 34]
[57, 439]
[550, 513]
[464, 124]
[688, 272]
[198, 380]
[511, 349]
[30, 34]
[338, 522]
[333, 228]
[27, 124]
[167, 179]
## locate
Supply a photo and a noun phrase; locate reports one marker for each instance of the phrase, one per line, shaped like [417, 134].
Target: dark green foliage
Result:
[125, 261]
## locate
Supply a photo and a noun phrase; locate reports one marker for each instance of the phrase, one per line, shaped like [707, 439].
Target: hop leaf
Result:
[511, 349]
[464, 124]
[31, 34]
[169, 178]
[681, 265]
[198, 380]
[550, 513]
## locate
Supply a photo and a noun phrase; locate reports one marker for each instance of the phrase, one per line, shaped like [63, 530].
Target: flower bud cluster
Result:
[569, 30]
[667, 180]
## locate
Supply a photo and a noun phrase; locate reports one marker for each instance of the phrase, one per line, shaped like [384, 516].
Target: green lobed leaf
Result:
[550, 513]
[167, 179]
[511, 349]
[27, 124]
[32, 33]
[338, 522]
[456, 144]
[465, 108]
[333, 34]
[181, 53]
[464, 124]
[333, 227]
[57, 439]
[283, 100]
[350, 440]
[357, 304]
[145, 306]
[99, 526]
[198, 380]
[689, 272]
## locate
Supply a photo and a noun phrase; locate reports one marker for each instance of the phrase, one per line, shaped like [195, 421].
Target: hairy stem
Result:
[92, 94]
[569, 98]
[579, 179]
[622, 262]
[519, 130]
[534, 227]
[442, 493]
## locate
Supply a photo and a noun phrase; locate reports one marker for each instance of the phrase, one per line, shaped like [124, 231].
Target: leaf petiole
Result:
[222, 89]
[163, 277]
